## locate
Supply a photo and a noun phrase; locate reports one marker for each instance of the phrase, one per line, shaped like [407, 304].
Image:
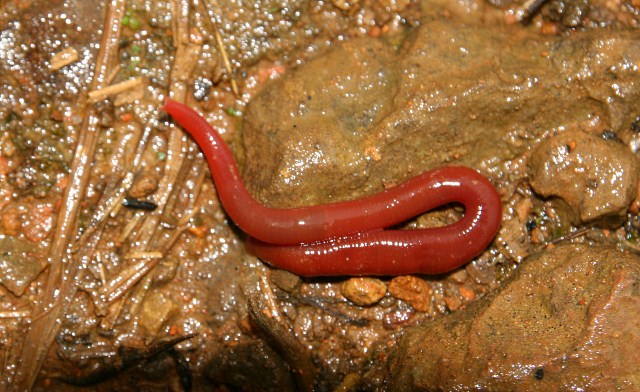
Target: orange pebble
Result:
[467, 293]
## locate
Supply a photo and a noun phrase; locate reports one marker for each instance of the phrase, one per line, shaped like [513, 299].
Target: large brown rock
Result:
[370, 113]
[567, 321]
[596, 179]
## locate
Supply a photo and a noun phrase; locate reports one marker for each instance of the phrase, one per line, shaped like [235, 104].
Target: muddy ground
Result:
[119, 270]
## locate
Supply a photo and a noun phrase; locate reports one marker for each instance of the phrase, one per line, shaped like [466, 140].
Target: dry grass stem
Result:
[143, 240]
[112, 75]
[223, 51]
[180, 73]
[144, 255]
[126, 279]
[115, 89]
[225, 60]
[63, 58]
[15, 314]
[115, 309]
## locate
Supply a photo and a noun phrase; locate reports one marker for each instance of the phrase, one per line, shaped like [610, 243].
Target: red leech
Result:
[346, 238]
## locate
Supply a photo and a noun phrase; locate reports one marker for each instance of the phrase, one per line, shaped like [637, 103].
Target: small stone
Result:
[11, 221]
[536, 236]
[467, 293]
[459, 276]
[453, 303]
[285, 280]
[414, 291]
[38, 222]
[156, 311]
[144, 185]
[363, 291]
[397, 318]
[483, 276]
[523, 209]
[20, 264]
[165, 271]
[510, 239]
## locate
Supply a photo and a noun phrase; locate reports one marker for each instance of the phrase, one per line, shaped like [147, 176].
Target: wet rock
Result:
[38, 221]
[249, 366]
[363, 291]
[595, 179]
[562, 323]
[317, 125]
[368, 113]
[20, 263]
[511, 240]
[413, 290]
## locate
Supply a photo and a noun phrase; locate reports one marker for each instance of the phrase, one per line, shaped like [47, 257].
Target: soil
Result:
[119, 269]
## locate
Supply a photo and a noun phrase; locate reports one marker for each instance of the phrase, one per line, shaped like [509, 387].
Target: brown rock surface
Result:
[370, 113]
[562, 323]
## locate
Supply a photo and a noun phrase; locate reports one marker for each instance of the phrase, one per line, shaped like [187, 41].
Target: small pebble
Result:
[386, 301]
[453, 303]
[11, 221]
[397, 318]
[363, 291]
[460, 276]
[467, 293]
[537, 236]
[144, 185]
[523, 209]
[285, 280]
[165, 271]
[415, 291]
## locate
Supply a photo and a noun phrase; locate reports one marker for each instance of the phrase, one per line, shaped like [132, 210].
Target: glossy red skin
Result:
[346, 238]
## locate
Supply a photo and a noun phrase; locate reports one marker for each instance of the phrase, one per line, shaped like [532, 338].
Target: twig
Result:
[63, 58]
[15, 314]
[115, 89]
[127, 278]
[571, 236]
[225, 60]
[144, 255]
[563, 238]
[319, 304]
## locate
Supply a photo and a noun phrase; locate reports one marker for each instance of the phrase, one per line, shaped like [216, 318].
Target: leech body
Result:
[346, 238]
